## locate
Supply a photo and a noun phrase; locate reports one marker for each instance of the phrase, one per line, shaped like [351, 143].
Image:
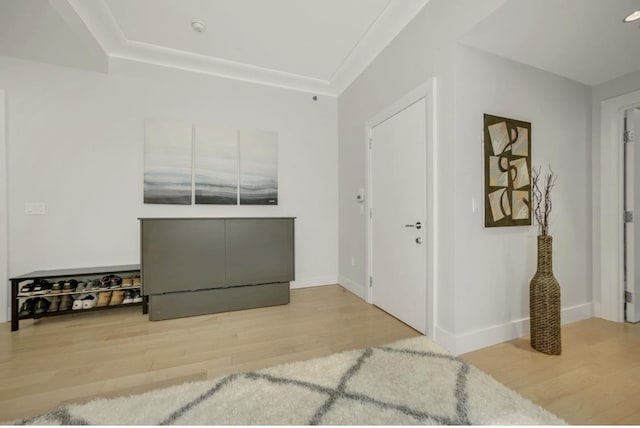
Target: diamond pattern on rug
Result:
[245, 398]
[327, 372]
[413, 381]
[440, 375]
[369, 414]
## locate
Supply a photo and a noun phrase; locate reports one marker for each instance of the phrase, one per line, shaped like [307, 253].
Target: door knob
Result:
[418, 225]
[418, 240]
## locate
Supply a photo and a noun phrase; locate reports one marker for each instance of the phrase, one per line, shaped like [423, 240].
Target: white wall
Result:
[4, 293]
[494, 265]
[75, 142]
[424, 49]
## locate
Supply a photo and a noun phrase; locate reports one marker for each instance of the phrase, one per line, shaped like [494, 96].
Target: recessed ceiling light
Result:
[198, 26]
[634, 16]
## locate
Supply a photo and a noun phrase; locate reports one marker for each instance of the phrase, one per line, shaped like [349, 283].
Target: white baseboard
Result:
[357, 289]
[478, 339]
[445, 339]
[316, 281]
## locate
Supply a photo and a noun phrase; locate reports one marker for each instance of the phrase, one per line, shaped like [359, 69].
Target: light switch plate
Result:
[35, 208]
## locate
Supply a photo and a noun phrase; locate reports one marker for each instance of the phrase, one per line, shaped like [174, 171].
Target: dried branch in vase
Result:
[541, 191]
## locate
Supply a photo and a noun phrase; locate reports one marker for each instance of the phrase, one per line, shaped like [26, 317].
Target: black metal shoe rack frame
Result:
[69, 273]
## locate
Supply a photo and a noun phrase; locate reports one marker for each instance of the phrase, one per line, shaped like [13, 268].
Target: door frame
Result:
[426, 91]
[607, 234]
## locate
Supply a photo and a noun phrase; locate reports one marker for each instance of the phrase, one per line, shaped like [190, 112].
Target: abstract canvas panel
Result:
[216, 165]
[167, 162]
[507, 172]
[258, 167]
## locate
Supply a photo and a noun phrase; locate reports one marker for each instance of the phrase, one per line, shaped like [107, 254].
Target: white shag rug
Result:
[409, 382]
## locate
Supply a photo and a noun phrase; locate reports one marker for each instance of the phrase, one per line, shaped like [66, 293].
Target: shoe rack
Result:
[79, 275]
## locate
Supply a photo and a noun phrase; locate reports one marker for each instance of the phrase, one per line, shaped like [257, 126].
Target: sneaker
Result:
[70, 286]
[42, 306]
[55, 304]
[116, 281]
[82, 287]
[77, 305]
[94, 285]
[106, 281]
[137, 298]
[27, 307]
[127, 282]
[89, 302]
[26, 290]
[104, 298]
[66, 301]
[128, 297]
[136, 281]
[40, 287]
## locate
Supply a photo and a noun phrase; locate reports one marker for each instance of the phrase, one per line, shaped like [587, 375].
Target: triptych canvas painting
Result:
[230, 166]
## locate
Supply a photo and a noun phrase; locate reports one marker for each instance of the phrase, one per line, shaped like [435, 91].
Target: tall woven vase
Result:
[544, 302]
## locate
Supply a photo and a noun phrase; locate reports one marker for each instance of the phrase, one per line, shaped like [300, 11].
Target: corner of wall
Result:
[354, 287]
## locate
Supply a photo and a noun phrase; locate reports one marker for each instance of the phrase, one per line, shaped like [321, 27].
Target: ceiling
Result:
[584, 40]
[317, 46]
[314, 45]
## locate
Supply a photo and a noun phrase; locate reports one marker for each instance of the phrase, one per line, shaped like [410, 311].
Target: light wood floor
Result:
[596, 380]
[76, 358]
[118, 352]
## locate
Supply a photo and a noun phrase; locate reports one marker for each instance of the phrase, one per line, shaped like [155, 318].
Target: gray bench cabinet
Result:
[197, 266]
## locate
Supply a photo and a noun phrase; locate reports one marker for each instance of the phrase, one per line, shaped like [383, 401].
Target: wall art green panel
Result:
[507, 172]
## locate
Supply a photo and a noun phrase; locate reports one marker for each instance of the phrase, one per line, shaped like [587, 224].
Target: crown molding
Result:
[100, 22]
[389, 24]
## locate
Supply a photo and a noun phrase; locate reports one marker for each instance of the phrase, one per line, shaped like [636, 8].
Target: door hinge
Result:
[370, 141]
[370, 213]
[628, 136]
[628, 297]
[628, 216]
[370, 281]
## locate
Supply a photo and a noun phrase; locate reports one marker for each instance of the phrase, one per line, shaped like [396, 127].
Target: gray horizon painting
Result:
[216, 165]
[258, 167]
[167, 162]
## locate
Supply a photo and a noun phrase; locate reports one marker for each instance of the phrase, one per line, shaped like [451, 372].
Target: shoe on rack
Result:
[103, 298]
[55, 304]
[136, 281]
[128, 297]
[94, 285]
[77, 305]
[56, 288]
[127, 282]
[41, 287]
[42, 306]
[66, 301]
[70, 286]
[82, 287]
[26, 290]
[90, 301]
[116, 281]
[137, 298]
[27, 307]
[106, 281]
[116, 298]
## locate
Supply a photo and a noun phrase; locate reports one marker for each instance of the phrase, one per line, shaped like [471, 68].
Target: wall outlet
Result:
[35, 208]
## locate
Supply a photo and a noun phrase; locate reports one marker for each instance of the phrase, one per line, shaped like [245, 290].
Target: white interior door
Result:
[398, 215]
[632, 203]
